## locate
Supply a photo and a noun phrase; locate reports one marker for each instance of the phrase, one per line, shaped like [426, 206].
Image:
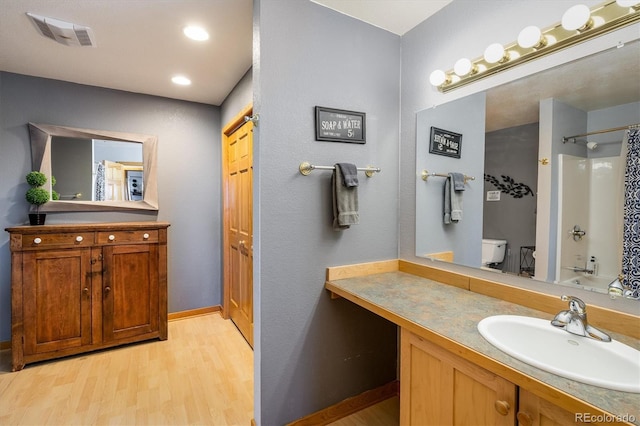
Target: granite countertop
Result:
[454, 313]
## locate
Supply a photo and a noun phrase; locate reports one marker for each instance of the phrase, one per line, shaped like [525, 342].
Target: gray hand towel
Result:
[456, 196]
[458, 181]
[452, 199]
[349, 174]
[345, 202]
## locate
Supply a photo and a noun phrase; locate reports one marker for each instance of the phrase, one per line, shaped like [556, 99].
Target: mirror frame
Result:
[41, 136]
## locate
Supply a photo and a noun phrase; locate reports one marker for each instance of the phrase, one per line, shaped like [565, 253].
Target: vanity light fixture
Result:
[181, 80]
[196, 33]
[578, 24]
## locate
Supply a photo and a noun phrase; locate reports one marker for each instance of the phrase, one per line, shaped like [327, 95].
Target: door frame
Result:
[227, 130]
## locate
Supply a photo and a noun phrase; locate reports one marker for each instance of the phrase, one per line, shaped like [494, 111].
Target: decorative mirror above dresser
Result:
[96, 170]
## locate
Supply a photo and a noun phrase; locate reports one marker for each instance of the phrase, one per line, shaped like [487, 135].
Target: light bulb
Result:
[627, 3]
[531, 37]
[577, 17]
[437, 78]
[495, 53]
[463, 66]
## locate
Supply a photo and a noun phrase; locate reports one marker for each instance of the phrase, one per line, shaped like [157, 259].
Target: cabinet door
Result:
[130, 291]
[535, 411]
[438, 388]
[57, 294]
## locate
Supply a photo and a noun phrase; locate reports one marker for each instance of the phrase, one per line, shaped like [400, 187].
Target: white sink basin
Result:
[612, 365]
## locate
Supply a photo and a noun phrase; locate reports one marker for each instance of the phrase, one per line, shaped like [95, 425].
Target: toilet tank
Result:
[493, 251]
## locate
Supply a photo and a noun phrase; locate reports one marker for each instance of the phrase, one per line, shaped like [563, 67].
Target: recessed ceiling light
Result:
[196, 33]
[181, 80]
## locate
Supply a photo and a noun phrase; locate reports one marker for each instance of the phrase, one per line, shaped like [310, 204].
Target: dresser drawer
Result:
[118, 237]
[57, 240]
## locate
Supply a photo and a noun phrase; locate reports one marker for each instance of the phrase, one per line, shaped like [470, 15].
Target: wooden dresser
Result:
[81, 287]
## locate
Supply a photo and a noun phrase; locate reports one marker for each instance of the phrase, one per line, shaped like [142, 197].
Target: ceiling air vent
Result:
[63, 32]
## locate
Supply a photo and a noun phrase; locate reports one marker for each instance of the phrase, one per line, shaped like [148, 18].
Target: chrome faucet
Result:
[617, 288]
[574, 320]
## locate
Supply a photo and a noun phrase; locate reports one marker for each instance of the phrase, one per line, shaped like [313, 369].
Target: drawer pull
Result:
[502, 407]
[145, 236]
[79, 238]
[37, 240]
[112, 237]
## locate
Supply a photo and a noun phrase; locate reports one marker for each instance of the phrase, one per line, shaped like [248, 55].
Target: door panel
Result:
[239, 211]
[59, 283]
[130, 276]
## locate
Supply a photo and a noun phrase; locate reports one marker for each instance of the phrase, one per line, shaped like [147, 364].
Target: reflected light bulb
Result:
[577, 17]
[437, 78]
[495, 53]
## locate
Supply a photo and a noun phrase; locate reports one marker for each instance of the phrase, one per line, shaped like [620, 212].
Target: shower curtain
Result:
[631, 238]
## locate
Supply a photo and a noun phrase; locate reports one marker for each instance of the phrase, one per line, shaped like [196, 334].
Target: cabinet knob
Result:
[79, 238]
[145, 236]
[524, 418]
[107, 289]
[86, 290]
[502, 407]
[37, 240]
[112, 237]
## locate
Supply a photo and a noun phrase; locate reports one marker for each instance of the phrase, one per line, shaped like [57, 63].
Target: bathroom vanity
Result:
[79, 288]
[448, 371]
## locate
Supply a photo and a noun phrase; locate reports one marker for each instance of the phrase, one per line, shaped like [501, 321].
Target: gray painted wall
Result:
[312, 352]
[433, 45]
[238, 99]
[512, 152]
[188, 174]
[432, 235]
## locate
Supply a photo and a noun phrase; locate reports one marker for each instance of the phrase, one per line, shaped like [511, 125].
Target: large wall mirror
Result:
[539, 206]
[96, 170]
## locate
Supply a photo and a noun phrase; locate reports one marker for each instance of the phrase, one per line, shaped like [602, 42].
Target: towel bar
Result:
[306, 168]
[426, 175]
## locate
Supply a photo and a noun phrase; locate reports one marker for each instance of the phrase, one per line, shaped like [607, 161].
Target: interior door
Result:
[239, 228]
[114, 181]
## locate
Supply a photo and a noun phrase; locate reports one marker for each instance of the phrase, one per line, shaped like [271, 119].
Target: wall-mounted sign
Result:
[336, 125]
[444, 142]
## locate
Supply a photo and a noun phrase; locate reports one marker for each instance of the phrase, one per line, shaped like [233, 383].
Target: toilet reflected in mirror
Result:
[493, 252]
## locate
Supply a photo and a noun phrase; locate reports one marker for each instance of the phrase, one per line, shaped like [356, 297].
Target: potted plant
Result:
[37, 196]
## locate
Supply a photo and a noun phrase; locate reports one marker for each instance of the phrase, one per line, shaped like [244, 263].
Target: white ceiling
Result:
[140, 45]
[396, 16]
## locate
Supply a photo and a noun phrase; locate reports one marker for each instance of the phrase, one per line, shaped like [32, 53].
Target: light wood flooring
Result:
[202, 375]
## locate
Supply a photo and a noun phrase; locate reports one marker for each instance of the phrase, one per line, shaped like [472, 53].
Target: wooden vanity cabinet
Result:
[438, 387]
[78, 288]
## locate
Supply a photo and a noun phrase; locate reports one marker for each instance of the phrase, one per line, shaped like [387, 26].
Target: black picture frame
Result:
[445, 142]
[339, 125]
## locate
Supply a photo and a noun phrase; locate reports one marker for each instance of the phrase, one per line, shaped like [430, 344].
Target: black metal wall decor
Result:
[445, 142]
[337, 125]
[516, 190]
